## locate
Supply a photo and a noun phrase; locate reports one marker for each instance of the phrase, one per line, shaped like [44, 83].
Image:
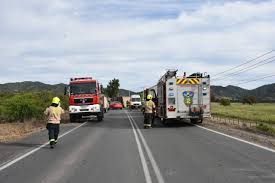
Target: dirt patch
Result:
[15, 131]
[243, 132]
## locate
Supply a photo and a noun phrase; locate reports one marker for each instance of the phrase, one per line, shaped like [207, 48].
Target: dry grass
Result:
[16, 131]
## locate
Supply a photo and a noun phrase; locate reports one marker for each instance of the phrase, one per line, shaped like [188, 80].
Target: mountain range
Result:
[264, 93]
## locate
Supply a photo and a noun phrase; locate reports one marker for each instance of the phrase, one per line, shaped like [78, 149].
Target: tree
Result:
[112, 89]
[225, 101]
[249, 100]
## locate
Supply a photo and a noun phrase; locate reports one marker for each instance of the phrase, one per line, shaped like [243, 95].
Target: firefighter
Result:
[149, 109]
[53, 114]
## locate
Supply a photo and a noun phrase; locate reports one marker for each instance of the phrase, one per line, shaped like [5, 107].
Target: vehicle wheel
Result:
[201, 120]
[72, 118]
[163, 121]
[194, 120]
[100, 116]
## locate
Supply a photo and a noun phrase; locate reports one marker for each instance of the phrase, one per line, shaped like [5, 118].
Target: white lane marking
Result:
[8, 164]
[141, 154]
[150, 154]
[238, 139]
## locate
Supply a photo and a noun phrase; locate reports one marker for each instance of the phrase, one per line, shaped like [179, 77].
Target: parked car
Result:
[116, 105]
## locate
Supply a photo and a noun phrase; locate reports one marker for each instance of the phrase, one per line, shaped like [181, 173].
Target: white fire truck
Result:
[182, 97]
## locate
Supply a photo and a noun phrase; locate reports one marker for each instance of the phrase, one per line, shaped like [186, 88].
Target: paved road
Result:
[113, 152]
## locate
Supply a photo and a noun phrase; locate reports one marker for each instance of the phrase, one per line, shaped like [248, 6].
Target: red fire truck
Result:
[86, 100]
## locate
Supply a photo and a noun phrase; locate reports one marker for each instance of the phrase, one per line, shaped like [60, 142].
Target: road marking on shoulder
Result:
[238, 139]
[149, 153]
[141, 154]
[10, 163]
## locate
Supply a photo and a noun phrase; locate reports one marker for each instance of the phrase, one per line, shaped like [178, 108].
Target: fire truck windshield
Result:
[82, 88]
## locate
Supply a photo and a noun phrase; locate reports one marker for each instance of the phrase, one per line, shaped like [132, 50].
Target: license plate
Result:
[83, 107]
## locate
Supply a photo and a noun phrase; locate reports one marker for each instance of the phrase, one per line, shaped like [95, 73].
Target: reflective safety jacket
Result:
[54, 114]
[149, 106]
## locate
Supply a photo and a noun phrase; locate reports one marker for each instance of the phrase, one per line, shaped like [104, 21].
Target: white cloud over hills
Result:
[135, 41]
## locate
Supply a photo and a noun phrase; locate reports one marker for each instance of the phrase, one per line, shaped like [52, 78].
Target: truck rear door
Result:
[188, 96]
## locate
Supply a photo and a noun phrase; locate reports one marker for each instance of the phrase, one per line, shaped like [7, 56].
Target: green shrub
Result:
[24, 106]
[266, 128]
[20, 108]
[225, 102]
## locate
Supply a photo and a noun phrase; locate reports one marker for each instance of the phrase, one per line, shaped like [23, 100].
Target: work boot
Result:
[52, 142]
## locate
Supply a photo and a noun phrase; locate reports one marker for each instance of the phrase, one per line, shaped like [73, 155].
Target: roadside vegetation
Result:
[22, 113]
[24, 107]
[261, 112]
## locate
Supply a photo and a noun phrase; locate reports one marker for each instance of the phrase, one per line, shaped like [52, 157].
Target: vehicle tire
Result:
[194, 120]
[72, 118]
[100, 116]
[163, 121]
[201, 120]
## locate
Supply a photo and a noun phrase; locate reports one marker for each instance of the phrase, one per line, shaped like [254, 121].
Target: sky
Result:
[136, 41]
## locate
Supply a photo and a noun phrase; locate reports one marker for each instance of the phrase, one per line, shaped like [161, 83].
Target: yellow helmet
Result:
[149, 97]
[56, 100]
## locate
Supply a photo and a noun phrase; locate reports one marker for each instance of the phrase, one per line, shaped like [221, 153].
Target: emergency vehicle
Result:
[182, 97]
[85, 99]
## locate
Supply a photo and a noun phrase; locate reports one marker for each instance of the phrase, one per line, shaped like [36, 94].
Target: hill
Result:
[30, 86]
[264, 93]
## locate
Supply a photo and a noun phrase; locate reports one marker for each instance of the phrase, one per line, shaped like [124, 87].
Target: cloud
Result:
[135, 41]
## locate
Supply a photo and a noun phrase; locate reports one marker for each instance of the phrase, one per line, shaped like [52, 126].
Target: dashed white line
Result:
[10, 163]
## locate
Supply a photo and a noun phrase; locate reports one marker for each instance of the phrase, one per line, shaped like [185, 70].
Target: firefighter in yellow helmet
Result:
[149, 109]
[53, 114]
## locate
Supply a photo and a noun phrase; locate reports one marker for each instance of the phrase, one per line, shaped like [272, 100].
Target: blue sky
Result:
[133, 40]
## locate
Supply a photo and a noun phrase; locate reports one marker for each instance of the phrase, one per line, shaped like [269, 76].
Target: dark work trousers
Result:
[148, 117]
[53, 131]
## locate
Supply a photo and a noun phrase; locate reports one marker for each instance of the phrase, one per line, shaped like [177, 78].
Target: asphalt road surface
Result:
[119, 150]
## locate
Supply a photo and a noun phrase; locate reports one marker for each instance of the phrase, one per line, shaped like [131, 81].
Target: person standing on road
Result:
[53, 114]
[149, 109]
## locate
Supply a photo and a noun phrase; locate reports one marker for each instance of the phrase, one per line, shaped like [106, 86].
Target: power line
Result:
[249, 81]
[247, 62]
[251, 67]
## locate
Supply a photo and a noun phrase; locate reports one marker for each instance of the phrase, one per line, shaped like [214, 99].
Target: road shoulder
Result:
[245, 134]
[13, 149]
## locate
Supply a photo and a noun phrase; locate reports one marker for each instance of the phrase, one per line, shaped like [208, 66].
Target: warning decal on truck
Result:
[188, 81]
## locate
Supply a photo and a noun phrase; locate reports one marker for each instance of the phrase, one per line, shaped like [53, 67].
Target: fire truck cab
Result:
[85, 99]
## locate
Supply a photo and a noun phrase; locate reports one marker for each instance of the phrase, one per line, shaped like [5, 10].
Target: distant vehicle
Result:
[85, 99]
[135, 101]
[181, 97]
[116, 105]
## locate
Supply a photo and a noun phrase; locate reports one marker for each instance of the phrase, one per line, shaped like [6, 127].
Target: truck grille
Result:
[83, 100]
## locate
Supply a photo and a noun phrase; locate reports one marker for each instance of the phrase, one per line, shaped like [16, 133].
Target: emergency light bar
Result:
[84, 78]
